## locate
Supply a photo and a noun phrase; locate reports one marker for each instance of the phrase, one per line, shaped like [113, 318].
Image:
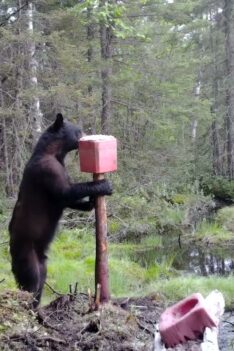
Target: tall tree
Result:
[35, 109]
[229, 41]
[106, 38]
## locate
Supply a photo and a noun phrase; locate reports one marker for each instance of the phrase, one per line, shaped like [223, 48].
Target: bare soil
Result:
[68, 324]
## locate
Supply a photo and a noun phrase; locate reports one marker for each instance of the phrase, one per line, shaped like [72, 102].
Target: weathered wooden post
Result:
[98, 155]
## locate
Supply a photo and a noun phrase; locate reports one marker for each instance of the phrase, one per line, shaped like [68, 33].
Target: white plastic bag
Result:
[215, 305]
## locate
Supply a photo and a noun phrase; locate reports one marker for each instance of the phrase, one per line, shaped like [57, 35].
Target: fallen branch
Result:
[50, 338]
[53, 291]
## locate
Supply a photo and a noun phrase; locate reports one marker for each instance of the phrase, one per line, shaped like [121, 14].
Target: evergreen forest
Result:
[159, 76]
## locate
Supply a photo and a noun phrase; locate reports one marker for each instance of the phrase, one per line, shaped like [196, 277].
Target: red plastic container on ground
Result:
[185, 320]
[98, 154]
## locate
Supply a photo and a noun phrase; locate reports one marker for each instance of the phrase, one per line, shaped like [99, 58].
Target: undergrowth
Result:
[136, 223]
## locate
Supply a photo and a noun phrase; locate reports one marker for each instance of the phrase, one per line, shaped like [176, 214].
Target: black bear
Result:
[45, 191]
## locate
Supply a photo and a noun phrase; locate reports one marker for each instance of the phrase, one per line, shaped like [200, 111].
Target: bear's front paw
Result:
[91, 202]
[106, 187]
[109, 188]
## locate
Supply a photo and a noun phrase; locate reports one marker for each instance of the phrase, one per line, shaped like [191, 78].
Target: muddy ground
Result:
[68, 324]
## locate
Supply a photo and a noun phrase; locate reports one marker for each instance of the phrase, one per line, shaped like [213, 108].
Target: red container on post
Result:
[98, 154]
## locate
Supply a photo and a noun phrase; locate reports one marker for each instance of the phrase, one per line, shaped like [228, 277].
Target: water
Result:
[198, 259]
[191, 258]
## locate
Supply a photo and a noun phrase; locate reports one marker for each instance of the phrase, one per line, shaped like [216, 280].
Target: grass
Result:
[152, 241]
[71, 260]
[213, 233]
[5, 263]
[72, 254]
[225, 218]
[220, 230]
[177, 288]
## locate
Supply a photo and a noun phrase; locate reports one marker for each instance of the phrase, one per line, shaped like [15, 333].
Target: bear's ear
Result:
[58, 122]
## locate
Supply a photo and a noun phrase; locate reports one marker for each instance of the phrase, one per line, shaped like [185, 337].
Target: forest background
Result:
[156, 74]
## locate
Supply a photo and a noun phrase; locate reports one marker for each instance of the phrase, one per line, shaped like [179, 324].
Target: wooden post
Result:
[98, 155]
[101, 265]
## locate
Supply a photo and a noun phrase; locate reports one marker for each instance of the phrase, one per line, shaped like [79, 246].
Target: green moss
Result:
[180, 199]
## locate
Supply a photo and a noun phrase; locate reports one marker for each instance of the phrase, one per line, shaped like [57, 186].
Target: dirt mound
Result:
[68, 324]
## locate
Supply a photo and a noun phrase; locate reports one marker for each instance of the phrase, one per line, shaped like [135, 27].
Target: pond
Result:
[189, 257]
[194, 258]
[197, 259]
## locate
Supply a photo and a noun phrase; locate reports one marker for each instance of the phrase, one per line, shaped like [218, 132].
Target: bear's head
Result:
[65, 133]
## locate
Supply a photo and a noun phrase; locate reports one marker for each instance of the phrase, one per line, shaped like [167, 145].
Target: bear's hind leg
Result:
[26, 267]
[43, 274]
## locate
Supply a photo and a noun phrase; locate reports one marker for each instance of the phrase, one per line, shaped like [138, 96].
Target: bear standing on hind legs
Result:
[45, 191]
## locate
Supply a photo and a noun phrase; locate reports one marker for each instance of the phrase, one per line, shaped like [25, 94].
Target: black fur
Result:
[44, 193]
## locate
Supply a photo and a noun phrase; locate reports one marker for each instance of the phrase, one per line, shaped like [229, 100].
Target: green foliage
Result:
[180, 287]
[160, 52]
[5, 262]
[108, 13]
[213, 233]
[219, 187]
[152, 240]
[173, 216]
[70, 263]
[125, 276]
[225, 218]
[160, 270]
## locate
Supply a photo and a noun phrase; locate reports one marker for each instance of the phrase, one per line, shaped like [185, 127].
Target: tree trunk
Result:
[229, 41]
[106, 36]
[217, 159]
[5, 146]
[217, 162]
[35, 109]
[90, 36]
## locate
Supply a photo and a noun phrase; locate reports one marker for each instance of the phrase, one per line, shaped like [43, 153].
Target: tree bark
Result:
[101, 264]
[33, 64]
[90, 37]
[5, 146]
[106, 36]
[229, 41]
[217, 159]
